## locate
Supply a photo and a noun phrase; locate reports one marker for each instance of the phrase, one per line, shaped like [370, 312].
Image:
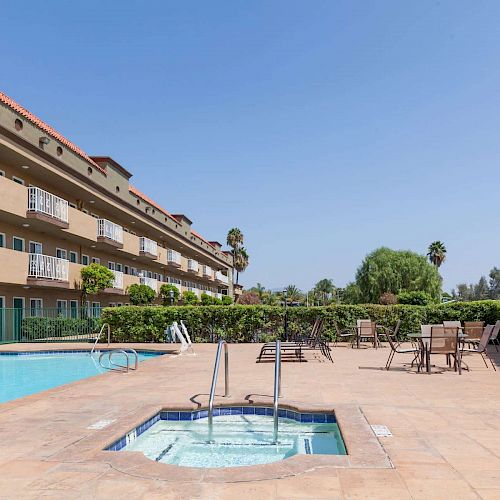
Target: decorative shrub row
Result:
[38, 328]
[263, 323]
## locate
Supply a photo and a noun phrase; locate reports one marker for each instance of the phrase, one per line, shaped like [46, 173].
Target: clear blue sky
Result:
[323, 129]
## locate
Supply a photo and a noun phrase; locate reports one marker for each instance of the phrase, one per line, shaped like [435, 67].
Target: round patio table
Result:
[424, 343]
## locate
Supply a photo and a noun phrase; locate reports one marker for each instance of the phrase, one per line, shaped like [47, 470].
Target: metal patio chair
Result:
[474, 331]
[396, 348]
[494, 335]
[444, 340]
[482, 346]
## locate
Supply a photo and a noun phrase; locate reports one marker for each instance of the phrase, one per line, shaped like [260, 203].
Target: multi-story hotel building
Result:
[61, 209]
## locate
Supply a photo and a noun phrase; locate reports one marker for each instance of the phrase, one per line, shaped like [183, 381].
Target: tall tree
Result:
[324, 290]
[436, 253]
[482, 290]
[261, 290]
[495, 283]
[293, 294]
[241, 261]
[386, 270]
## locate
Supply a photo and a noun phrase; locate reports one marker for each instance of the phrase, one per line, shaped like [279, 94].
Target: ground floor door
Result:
[17, 317]
[2, 319]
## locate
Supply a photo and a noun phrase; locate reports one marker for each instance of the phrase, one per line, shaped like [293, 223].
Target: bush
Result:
[415, 298]
[226, 300]
[189, 298]
[37, 328]
[141, 295]
[240, 323]
[206, 300]
[165, 290]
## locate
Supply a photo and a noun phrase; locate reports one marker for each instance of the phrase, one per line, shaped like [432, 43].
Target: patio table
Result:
[424, 342]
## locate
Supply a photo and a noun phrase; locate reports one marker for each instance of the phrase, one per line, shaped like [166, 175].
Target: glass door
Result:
[17, 317]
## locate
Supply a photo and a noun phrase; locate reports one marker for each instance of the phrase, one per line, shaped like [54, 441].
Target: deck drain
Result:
[100, 425]
[381, 431]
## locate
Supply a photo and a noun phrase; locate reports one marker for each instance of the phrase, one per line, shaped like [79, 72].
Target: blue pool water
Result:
[27, 373]
[237, 440]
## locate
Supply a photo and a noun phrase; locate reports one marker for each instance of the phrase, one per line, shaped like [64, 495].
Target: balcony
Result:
[118, 281]
[192, 266]
[148, 248]
[221, 278]
[151, 282]
[109, 232]
[47, 207]
[48, 270]
[207, 271]
[174, 258]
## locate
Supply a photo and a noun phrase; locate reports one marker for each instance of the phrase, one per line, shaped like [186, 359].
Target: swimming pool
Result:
[241, 436]
[24, 373]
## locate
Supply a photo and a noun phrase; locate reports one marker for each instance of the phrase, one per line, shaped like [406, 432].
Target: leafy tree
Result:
[386, 270]
[388, 299]
[351, 294]
[260, 290]
[481, 290]
[95, 278]
[415, 298]
[436, 253]
[495, 283]
[141, 295]
[165, 290]
[189, 298]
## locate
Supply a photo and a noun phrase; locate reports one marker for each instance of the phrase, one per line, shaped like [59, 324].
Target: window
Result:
[36, 247]
[73, 306]
[96, 309]
[125, 269]
[111, 265]
[2, 239]
[2, 173]
[36, 306]
[73, 257]
[119, 304]
[94, 215]
[85, 260]
[96, 260]
[119, 267]
[62, 307]
[112, 304]
[85, 211]
[72, 205]
[61, 253]
[18, 180]
[18, 243]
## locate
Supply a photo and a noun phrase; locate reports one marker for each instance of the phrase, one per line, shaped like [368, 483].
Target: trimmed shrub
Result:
[165, 290]
[415, 298]
[189, 298]
[240, 323]
[141, 295]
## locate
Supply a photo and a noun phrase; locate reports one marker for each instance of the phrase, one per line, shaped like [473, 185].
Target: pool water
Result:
[26, 373]
[237, 440]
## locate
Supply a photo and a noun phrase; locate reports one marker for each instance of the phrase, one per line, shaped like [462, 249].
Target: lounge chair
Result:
[482, 347]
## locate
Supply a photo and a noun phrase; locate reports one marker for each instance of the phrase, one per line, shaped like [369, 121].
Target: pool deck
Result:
[445, 430]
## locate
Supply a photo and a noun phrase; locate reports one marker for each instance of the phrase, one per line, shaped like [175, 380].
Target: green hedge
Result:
[41, 328]
[262, 323]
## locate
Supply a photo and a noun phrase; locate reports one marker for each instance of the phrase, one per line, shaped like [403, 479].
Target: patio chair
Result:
[348, 333]
[474, 331]
[383, 331]
[367, 329]
[494, 335]
[482, 347]
[444, 340]
[453, 324]
[396, 348]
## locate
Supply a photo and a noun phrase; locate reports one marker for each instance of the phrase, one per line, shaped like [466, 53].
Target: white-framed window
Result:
[119, 267]
[73, 307]
[73, 257]
[18, 180]
[18, 302]
[85, 260]
[2, 173]
[111, 265]
[62, 307]
[112, 304]
[61, 253]
[36, 306]
[95, 216]
[18, 243]
[3, 240]
[35, 247]
[85, 211]
[72, 205]
[96, 309]
[126, 269]
[96, 260]
[119, 304]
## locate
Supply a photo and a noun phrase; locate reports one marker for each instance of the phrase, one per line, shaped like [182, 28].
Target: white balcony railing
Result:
[42, 202]
[151, 282]
[148, 246]
[221, 277]
[174, 257]
[192, 265]
[118, 281]
[48, 267]
[207, 271]
[110, 230]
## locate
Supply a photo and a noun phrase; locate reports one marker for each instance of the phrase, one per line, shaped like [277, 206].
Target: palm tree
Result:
[260, 289]
[234, 238]
[241, 260]
[293, 294]
[436, 253]
[324, 288]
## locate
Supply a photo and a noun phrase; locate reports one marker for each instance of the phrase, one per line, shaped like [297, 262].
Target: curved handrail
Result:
[136, 356]
[126, 351]
[214, 383]
[99, 336]
[277, 388]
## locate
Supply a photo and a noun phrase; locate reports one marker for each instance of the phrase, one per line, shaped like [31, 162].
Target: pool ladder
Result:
[127, 351]
[277, 386]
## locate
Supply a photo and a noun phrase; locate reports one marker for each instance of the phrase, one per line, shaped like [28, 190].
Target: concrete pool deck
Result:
[445, 429]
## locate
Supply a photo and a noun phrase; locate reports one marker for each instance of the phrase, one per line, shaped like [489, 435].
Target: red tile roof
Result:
[5, 99]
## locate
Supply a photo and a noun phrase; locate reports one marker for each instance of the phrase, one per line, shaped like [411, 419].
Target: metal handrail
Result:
[214, 383]
[277, 388]
[99, 336]
[126, 351]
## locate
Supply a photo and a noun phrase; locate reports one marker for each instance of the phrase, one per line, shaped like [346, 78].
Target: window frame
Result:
[18, 180]
[62, 250]
[84, 256]
[75, 254]
[13, 247]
